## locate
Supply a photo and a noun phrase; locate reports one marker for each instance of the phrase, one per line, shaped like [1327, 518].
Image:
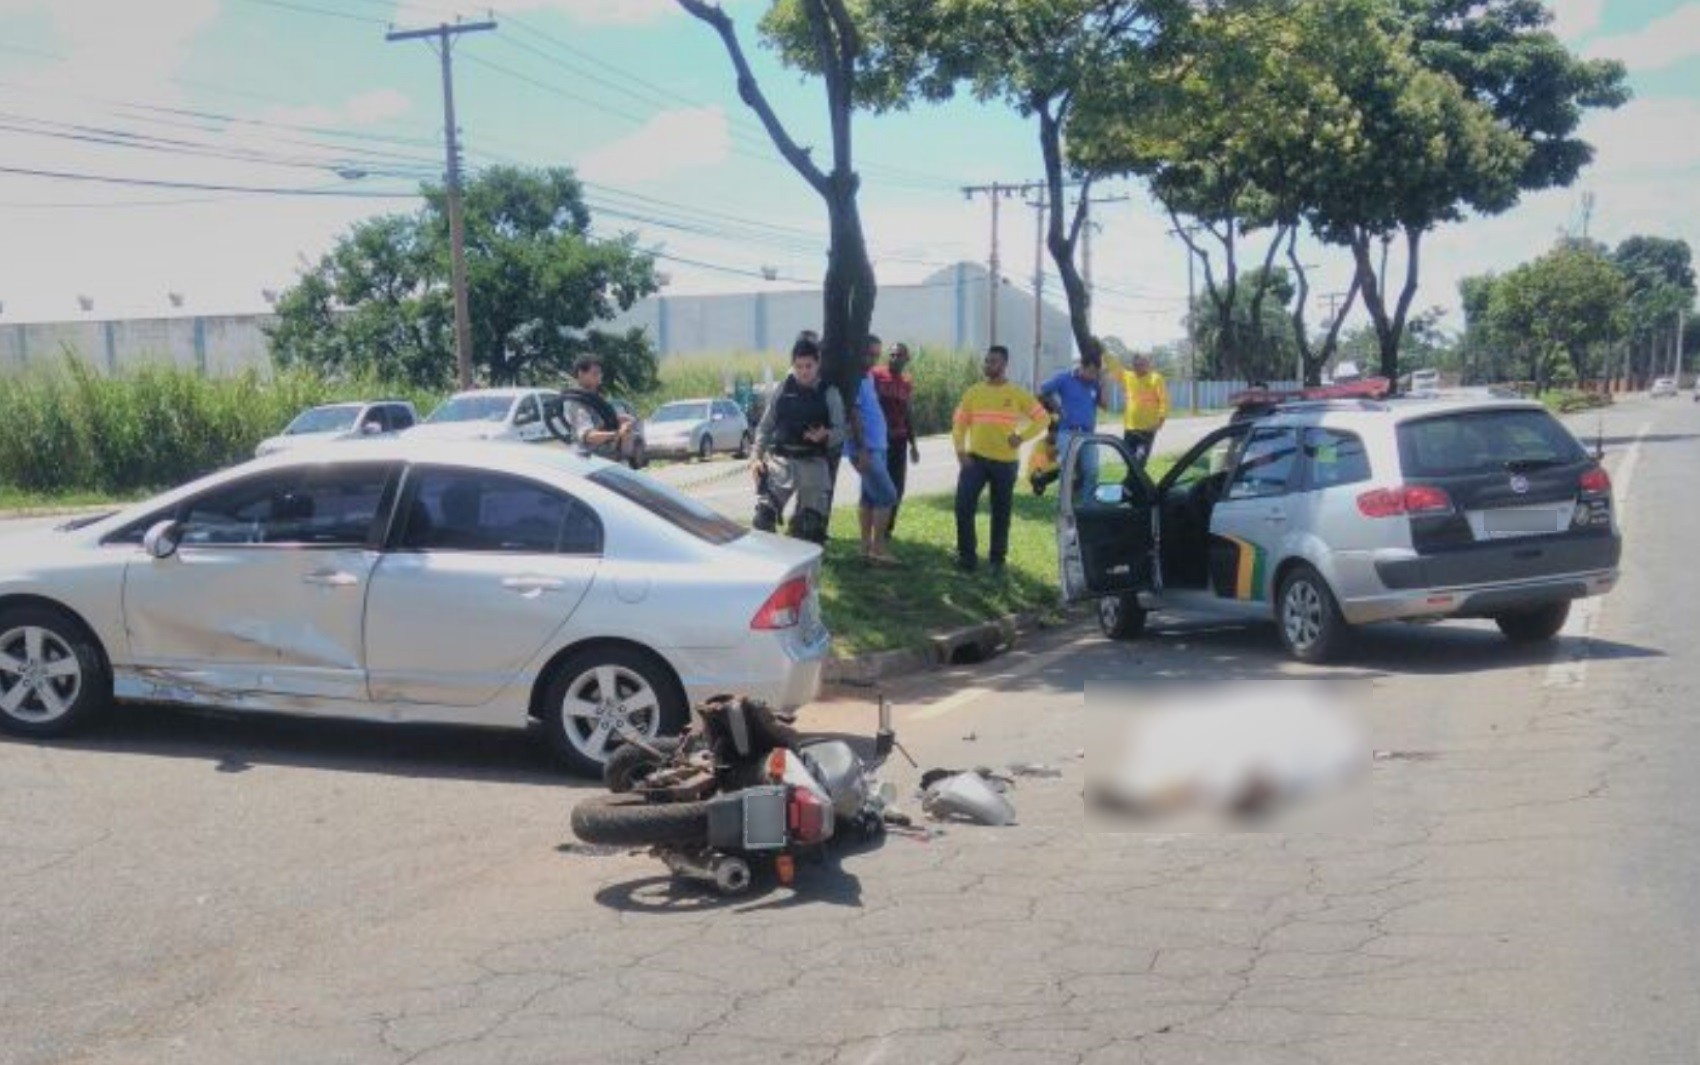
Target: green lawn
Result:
[14, 499]
[871, 608]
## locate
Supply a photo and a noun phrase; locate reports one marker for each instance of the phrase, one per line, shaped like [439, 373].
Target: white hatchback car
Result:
[341, 421]
[490, 414]
[1663, 388]
[480, 584]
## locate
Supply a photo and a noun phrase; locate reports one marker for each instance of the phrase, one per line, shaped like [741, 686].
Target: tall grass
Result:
[70, 429]
[941, 376]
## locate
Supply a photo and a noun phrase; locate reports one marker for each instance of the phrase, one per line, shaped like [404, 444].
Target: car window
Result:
[1485, 441]
[527, 412]
[323, 506]
[1267, 464]
[681, 412]
[473, 510]
[323, 420]
[1334, 458]
[401, 417]
[375, 416]
[1217, 458]
[671, 506]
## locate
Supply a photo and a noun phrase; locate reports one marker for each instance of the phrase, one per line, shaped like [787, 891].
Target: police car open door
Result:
[1106, 522]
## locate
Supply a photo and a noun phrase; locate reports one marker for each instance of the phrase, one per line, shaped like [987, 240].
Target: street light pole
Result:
[445, 34]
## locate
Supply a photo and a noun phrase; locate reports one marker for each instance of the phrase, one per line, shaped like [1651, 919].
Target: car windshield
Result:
[681, 412]
[323, 420]
[671, 506]
[472, 409]
[1486, 441]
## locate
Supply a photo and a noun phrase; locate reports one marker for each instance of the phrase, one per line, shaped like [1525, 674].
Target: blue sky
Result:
[284, 94]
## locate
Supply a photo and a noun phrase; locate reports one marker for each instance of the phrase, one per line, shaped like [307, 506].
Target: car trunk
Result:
[1525, 500]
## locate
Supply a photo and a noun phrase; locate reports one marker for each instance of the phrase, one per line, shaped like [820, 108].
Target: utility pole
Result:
[1191, 332]
[1086, 240]
[445, 34]
[996, 190]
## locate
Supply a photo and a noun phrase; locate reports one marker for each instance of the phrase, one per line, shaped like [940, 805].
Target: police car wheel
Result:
[1120, 617]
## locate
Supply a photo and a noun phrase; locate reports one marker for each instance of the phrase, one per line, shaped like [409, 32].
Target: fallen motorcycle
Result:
[741, 788]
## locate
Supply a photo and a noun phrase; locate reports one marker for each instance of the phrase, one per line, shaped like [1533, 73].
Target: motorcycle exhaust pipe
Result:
[727, 873]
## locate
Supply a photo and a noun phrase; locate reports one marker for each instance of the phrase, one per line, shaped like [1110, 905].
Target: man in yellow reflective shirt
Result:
[991, 423]
[1147, 397]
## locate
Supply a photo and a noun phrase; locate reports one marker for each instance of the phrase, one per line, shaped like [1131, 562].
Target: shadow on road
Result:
[822, 882]
[235, 743]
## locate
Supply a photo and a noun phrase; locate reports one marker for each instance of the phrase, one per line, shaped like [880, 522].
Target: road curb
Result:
[969, 644]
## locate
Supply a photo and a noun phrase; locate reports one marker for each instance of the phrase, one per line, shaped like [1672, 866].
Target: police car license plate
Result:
[1524, 521]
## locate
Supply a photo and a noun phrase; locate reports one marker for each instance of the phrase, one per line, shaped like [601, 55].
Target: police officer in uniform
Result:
[800, 427]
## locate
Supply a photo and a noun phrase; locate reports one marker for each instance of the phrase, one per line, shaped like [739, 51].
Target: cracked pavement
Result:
[1519, 885]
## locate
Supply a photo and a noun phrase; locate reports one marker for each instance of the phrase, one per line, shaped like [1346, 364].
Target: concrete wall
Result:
[948, 310]
[219, 344]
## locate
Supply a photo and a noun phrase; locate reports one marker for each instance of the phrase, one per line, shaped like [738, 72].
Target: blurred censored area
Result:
[1234, 755]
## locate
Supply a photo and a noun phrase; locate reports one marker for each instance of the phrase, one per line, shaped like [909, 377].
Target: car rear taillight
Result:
[808, 816]
[784, 608]
[1406, 499]
[1596, 482]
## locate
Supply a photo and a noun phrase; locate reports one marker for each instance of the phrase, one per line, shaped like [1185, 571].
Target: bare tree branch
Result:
[750, 92]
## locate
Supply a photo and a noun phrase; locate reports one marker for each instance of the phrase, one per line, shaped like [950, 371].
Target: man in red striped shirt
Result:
[895, 390]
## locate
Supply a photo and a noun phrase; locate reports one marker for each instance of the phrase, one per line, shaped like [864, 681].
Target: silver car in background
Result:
[341, 421]
[465, 583]
[699, 428]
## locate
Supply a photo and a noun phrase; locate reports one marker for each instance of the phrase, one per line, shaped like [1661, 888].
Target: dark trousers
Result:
[970, 482]
[1140, 443]
[897, 464]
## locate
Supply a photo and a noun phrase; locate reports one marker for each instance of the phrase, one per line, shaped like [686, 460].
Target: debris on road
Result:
[1034, 769]
[976, 795]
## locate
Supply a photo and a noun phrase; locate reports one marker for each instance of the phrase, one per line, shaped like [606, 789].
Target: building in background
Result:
[948, 310]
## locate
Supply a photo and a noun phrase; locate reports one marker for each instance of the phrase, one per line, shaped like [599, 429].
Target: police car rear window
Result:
[1486, 441]
[671, 506]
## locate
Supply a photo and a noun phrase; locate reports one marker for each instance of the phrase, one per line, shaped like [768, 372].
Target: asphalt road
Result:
[1515, 883]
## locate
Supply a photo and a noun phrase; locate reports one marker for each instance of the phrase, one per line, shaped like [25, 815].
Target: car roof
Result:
[502, 393]
[681, 402]
[1369, 413]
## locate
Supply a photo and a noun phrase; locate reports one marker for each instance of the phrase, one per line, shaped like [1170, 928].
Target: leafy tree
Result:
[1261, 348]
[1561, 308]
[825, 38]
[1483, 353]
[1659, 273]
[379, 303]
[1429, 160]
[1039, 57]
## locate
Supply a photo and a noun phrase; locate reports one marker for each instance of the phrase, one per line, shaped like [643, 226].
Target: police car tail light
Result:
[1408, 499]
[1596, 482]
[784, 608]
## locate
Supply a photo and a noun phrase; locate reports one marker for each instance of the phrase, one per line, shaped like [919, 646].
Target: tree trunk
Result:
[1060, 238]
[847, 300]
[1314, 361]
[1389, 327]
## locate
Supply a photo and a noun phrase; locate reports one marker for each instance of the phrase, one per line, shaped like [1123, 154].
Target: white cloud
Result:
[673, 142]
[1661, 43]
[120, 50]
[1575, 19]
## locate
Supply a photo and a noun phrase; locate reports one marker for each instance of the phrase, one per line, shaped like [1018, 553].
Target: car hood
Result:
[458, 431]
[286, 441]
[665, 429]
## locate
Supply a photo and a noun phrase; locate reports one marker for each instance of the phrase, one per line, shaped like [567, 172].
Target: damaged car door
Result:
[482, 570]
[265, 592]
[1106, 532]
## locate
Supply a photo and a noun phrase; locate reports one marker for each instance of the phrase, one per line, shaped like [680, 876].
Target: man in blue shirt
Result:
[1078, 394]
[867, 451]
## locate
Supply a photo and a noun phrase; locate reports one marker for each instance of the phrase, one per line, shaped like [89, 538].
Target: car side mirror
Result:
[1109, 495]
[371, 429]
[162, 540]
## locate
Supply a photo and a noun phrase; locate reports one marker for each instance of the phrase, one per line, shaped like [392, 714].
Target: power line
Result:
[272, 190]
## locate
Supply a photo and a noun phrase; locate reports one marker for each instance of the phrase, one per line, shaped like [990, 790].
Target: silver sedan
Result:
[478, 584]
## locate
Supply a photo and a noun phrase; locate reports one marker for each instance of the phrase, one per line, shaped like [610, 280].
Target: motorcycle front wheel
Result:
[632, 821]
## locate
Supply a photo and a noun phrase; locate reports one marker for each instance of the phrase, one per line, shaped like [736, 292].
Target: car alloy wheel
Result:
[40, 676]
[1301, 614]
[605, 705]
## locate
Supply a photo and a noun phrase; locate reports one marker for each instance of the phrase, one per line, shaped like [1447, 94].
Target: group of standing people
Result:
[805, 430]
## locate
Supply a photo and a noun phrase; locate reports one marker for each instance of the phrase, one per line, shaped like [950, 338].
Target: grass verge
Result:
[19, 501]
[870, 609]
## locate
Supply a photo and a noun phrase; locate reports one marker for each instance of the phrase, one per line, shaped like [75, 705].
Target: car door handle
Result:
[532, 585]
[1276, 517]
[330, 578]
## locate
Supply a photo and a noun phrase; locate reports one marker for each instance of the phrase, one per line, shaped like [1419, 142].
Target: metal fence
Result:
[1211, 395]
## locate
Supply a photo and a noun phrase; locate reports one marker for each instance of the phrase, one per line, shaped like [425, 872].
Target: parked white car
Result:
[464, 583]
[1664, 388]
[341, 421]
[489, 414]
[699, 428]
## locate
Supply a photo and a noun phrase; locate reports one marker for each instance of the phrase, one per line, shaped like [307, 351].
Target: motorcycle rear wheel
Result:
[631, 821]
